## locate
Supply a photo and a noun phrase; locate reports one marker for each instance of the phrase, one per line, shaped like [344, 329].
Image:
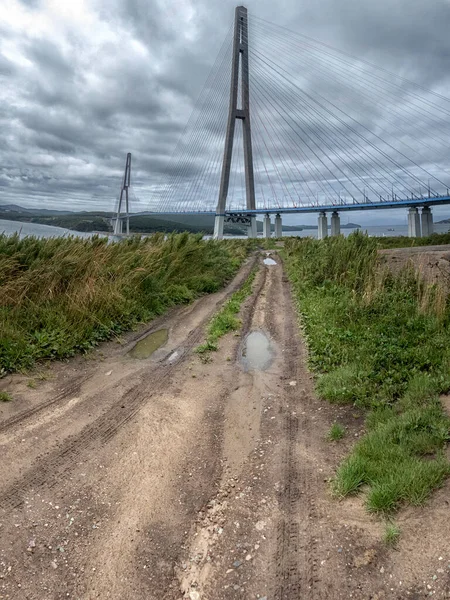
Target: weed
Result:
[207, 347]
[336, 432]
[391, 535]
[5, 397]
[31, 383]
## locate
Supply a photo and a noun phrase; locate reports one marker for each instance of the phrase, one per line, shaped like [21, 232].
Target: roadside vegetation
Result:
[380, 342]
[226, 320]
[61, 296]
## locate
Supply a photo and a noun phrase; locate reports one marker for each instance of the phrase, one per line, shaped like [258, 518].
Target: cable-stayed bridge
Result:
[287, 124]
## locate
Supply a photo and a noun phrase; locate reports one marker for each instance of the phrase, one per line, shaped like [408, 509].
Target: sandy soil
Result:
[171, 478]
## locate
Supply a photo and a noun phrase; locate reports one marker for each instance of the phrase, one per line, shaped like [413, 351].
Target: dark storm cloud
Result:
[84, 83]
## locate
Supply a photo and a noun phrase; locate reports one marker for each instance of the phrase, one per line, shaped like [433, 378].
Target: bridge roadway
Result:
[416, 226]
[313, 208]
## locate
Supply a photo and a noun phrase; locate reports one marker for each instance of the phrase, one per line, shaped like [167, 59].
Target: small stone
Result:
[54, 564]
[382, 570]
[260, 525]
[237, 564]
[194, 595]
[292, 383]
[248, 557]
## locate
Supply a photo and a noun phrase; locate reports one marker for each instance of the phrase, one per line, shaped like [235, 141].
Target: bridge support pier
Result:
[322, 230]
[413, 222]
[252, 230]
[335, 223]
[118, 226]
[278, 227]
[427, 221]
[218, 227]
[266, 226]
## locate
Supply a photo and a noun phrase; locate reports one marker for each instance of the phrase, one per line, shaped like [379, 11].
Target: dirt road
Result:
[170, 477]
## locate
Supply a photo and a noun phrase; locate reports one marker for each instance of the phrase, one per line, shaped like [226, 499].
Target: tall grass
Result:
[378, 341]
[61, 296]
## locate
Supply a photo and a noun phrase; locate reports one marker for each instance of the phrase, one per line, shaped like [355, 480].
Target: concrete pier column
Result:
[278, 227]
[218, 227]
[413, 222]
[427, 221]
[118, 226]
[322, 231]
[266, 226]
[252, 230]
[335, 223]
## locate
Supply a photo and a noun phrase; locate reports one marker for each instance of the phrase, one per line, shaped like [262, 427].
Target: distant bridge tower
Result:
[239, 68]
[118, 222]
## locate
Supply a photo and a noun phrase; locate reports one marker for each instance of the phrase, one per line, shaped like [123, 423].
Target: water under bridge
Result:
[286, 124]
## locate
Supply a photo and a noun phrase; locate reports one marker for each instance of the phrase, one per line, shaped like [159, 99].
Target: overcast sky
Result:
[84, 82]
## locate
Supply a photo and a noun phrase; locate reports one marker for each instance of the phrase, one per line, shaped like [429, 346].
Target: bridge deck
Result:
[406, 203]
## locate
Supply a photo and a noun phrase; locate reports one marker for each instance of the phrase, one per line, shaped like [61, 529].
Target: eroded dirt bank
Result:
[171, 478]
[431, 262]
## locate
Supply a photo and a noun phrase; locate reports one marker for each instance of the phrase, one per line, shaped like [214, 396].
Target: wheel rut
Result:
[192, 480]
[60, 461]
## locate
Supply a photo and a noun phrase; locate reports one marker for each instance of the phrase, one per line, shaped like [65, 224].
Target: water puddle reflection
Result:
[257, 354]
[145, 347]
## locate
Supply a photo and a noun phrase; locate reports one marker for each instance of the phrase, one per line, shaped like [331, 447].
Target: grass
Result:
[436, 239]
[375, 342]
[226, 320]
[62, 296]
[5, 397]
[391, 535]
[336, 433]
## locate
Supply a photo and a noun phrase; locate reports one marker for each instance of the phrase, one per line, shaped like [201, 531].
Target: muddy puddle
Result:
[145, 347]
[269, 261]
[257, 354]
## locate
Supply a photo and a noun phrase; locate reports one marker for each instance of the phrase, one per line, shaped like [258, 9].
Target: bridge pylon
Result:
[239, 73]
[118, 222]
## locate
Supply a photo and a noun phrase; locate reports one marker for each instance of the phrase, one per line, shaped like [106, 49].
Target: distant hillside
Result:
[88, 221]
[148, 223]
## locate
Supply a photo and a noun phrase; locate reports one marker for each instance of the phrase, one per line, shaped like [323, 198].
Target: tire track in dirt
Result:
[296, 556]
[75, 386]
[60, 462]
[71, 390]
